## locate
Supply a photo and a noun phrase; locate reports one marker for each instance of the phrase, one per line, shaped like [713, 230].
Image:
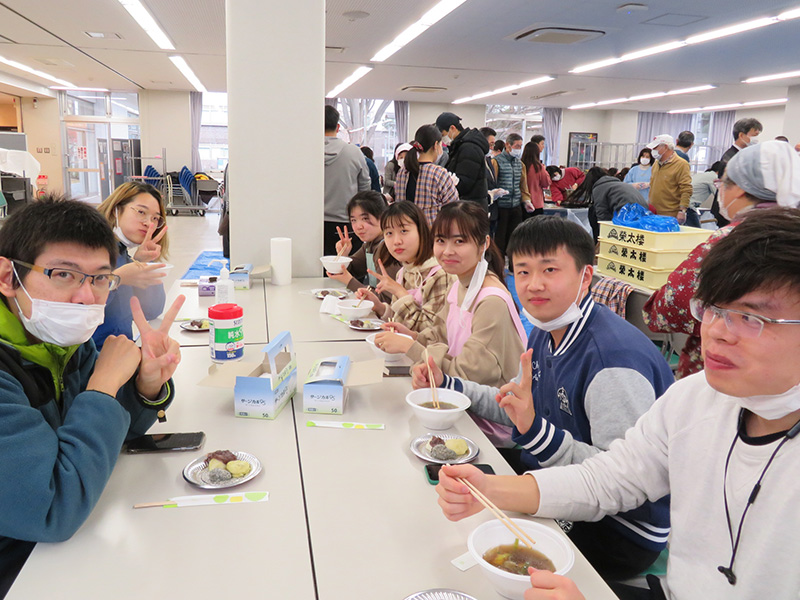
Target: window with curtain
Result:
[369, 122]
[213, 146]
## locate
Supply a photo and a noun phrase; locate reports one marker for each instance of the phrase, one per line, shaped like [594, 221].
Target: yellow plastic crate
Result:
[634, 274]
[658, 260]
[685, 239]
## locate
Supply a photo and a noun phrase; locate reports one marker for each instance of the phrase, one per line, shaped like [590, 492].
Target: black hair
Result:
[369, 201]
[685, 139]
[393, 160]
[530, 156]
[367, 151]
[544, 235]
[762, 253]
[538, 138]
[487, 131]
[51, 220]
[471, 221]
[587, 185]
[394, 216]
[621, 175]
[426, 136]
[553, 170]
[513, 138]
[781, 138]
[745, 125]
[644, 151]
[499, 146]
[612, 171]
[331, 118]
[718, 168]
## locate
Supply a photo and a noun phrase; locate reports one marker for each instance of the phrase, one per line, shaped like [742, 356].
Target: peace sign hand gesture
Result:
[160, 353]
[516, 398]
[386, 283]
[150, 249]
[345, 244]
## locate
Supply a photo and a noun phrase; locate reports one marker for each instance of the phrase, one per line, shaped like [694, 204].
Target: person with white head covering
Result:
[393, 166]
[758, 177]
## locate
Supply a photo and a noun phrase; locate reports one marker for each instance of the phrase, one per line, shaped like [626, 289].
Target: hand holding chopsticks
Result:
[369, 289]
[499, 514]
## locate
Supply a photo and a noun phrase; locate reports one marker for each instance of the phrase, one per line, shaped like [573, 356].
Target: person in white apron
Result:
[365, 210]
[418, 290]
[478, 335]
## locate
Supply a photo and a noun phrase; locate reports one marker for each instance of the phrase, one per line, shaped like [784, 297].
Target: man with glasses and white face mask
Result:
[723, 443]
[65, 410]
[586, 377]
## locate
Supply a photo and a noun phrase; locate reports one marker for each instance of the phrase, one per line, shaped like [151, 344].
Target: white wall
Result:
[580, 121]
[425, 113]
[620, 126]
[165, 122]
[771, 117]
[791, 117]
[42, 125]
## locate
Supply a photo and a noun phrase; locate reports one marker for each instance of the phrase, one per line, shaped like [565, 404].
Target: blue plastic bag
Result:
[636, 216]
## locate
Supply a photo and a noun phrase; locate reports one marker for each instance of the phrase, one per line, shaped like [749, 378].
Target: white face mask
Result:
[753, 141]
[572, 314]
[445, 140]
[656, 154]
[771, 407]
[516, 152]
[121, 236]
[556, 177]
[61, 323]
[644, 161]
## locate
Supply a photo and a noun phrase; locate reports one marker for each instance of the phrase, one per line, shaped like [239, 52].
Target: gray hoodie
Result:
[346, 173]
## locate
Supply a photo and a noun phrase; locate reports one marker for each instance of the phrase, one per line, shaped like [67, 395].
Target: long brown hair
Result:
[393, 217]
[124, 195]
[530, 157]
[472, 222]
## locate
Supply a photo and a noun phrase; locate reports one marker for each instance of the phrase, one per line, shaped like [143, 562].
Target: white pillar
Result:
[791, 117]
[276, 80]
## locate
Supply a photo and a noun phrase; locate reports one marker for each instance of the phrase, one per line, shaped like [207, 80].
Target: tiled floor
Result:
[188, 237]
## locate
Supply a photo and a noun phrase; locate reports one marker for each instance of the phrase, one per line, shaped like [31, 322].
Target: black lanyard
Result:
[728, 571]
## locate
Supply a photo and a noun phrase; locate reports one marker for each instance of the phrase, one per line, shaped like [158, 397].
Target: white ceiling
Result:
[468, 52]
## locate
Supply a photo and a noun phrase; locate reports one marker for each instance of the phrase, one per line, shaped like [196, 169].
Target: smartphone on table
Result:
[432, 472]
[165, 442]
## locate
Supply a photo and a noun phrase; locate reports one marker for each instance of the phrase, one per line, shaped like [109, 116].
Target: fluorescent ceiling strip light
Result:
[503, 90]
[146, 21]
[691, 90]
[32, 71]
[434, 15]
[187, 72]
[357, 74]
[729, 106]
[707, 36]
[763, 78]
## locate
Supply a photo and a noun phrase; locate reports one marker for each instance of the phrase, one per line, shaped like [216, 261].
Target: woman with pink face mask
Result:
[478, 334]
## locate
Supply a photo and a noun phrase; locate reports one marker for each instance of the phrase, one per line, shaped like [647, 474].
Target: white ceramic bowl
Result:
[437, 419]
[349, 310]
[549, 542]
[389, 358]
[334, 264]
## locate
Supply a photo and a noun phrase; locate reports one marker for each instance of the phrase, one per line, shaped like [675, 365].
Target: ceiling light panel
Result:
[700, 38]
[187, 72]
[32, 71]
[752, 103]
[690, 90]
[357, 74]
[434, 15]
[506, 89]
[761, 79]
[146, 21]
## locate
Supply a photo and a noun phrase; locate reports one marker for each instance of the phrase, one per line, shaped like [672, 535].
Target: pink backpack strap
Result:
[512, 308]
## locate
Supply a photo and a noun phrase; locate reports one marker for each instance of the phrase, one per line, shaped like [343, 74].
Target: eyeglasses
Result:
[143, 217]
[739, 323]
[70, 279]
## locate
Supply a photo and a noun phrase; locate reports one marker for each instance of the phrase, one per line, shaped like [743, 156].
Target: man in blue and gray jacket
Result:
[66, 409]
[587, 376]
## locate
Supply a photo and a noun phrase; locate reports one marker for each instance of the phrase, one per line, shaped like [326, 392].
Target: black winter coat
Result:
[468, 162]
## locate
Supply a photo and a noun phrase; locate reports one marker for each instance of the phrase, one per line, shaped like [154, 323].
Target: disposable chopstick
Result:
[362, 299]
[434, 395]
[499, 514]
[208, 500]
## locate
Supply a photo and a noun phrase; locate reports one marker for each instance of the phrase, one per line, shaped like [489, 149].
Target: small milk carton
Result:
[260, 390]
[325, 388]
[240, 276]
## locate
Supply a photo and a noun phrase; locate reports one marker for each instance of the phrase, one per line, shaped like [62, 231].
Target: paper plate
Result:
[196, 472]
[187, 325]
[319, 293]
[439, 594]
[419, 448]
[368, 324]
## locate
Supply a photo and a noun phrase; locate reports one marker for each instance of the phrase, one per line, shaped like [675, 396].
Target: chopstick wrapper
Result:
[281, 259]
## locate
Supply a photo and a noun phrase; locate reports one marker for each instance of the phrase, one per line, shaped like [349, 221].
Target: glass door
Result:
[87, 161]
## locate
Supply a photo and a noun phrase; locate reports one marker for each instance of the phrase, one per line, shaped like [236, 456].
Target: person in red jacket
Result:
[562, 180]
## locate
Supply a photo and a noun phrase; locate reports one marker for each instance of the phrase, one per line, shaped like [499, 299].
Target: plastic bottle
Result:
[226, 332]
[223, 291]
